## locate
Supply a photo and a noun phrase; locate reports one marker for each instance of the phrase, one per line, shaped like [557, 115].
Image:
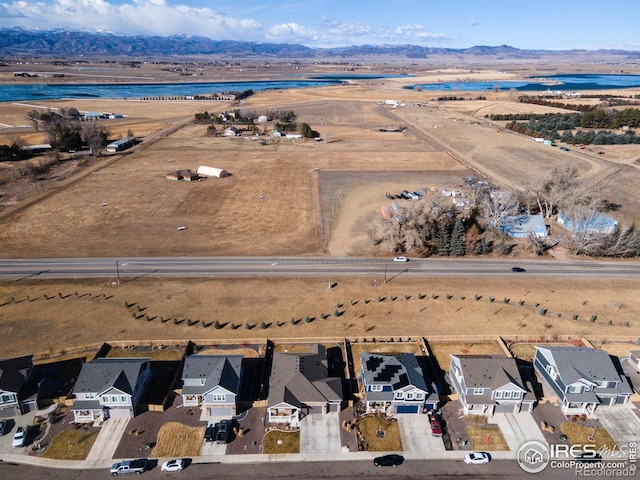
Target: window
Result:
[419, 396]
[552, 372]
[574, 389]
[516, 395]
[218, 397]
[202, 381]
[409, 396]
[497, 394]
[376, 388]
[89, 396]
[478, 391]
[399, 395]
[507, 394]
[123, 399]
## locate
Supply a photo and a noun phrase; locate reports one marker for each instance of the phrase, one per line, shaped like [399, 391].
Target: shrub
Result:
[477, 297]
[575, 316]
[492, 299]
[263, 325]
[593, 318]
[506, 300]
[609, 322]
[308, 319]
[217, 325]
[521, 302]
[542, 311]
[421, 296]
[434, 296]
[448, 296]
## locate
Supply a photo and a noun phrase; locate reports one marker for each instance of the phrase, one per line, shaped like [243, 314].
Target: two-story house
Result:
[582, 378]
[395, 384]
[14, 375]
[109, 388]
[488, 384]
[300, 385]
[212, 382]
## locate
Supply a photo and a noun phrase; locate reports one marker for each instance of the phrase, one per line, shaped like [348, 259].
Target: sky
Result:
[524, 24]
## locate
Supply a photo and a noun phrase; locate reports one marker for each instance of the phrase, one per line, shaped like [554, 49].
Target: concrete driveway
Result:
[415, 433]
[518, 428]
[320, 434]
[621, 422]
[108, 439]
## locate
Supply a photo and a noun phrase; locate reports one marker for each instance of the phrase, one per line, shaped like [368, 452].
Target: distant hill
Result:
[19, 42]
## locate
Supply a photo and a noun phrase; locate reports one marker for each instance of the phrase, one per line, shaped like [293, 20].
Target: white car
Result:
[401, 259]
[172, 465]
[19, 438]
[477, 458]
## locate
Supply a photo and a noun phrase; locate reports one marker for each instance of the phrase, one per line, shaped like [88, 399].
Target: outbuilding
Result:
[205, 171]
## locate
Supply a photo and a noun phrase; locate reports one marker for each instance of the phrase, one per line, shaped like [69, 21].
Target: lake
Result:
[565, 82]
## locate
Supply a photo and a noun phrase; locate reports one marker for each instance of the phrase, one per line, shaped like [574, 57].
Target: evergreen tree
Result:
[443, 241]
[457, 246]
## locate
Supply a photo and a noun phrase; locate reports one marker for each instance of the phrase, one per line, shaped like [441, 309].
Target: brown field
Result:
[304, 211]
[178, 440]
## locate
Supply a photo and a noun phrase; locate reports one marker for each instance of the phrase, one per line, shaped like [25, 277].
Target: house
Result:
[488, 384]
[184, 175]
[521, 226]
[231, 132]
[300, 385]
[14, 375]
[634, 359]
[582, 378]
[263, 119]
[395, 384]
[587, 222]
[212, 382]
[91, 115]
[110, 387]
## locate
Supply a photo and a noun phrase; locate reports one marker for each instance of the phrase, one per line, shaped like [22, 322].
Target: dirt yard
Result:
[289, 198]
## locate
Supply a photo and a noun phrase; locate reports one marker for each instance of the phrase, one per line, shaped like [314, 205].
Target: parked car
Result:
[137, 466]
[564, 149]
[401, 259]
[518, 270]
[19, 438]
[392, 460]
[210, 433]
[172, 465]
[222, 435]
[436, 426]
[3, 427]
[477, 458]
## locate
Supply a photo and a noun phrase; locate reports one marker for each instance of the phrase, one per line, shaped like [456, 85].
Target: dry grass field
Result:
[178, 440]
[290, 198]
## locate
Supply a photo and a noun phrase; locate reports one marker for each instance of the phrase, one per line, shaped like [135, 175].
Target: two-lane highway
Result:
[118, 268]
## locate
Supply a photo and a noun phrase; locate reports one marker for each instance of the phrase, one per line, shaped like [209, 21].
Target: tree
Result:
[65, 134]
[457, 246]
[443, 241]
[95, 136]
[496, 205]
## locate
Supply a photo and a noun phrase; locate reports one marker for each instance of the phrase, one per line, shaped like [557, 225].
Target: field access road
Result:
[385, 269]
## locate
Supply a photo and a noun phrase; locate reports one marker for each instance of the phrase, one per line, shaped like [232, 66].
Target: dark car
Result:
[518, 270]
[388, 461]
[210, 433]
[588, 457]
[3, 427]
[222, 435]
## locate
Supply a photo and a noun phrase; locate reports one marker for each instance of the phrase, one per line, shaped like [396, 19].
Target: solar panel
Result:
[373, 363]
[387, 373]
[403, 380]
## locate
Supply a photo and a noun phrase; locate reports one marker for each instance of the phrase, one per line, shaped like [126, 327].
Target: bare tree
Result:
[496, 205]
[95, 135]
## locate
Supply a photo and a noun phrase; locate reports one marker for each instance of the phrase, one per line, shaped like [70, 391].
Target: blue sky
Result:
[525, 24]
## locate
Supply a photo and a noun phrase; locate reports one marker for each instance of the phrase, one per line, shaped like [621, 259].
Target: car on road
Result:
[19, 438]
[518, 270]
[588, 457]
[175, 465]
[564, 149]
[126, 467]
[392, 460]
[477, 458]
[401, 259]
[3, 427]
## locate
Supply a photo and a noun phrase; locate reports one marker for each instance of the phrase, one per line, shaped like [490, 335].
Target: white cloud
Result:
[290, 33]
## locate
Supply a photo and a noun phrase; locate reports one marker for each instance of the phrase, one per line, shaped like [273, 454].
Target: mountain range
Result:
[20, 42]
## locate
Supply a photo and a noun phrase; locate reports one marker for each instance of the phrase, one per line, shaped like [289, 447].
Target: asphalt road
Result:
[414, 469]
[384, 268]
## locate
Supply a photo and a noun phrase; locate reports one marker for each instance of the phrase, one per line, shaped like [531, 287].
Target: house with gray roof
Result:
[395, 384]
[488, 384]
[582, 378]
[14, 375]
[109, 388]
[300, 385]
[212, 382]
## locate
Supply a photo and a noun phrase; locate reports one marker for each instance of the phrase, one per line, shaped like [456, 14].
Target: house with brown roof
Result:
[488, 384]
[300, 385]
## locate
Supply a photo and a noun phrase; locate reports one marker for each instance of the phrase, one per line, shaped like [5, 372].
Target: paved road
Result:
[121, 269]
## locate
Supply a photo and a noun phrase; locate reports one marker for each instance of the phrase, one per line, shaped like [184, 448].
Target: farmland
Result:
[288, 198]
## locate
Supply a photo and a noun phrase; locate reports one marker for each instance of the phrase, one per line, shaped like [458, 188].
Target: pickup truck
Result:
[137, 466]
[222, 434]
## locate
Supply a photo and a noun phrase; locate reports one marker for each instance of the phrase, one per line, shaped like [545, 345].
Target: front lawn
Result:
[579, 435]
[70, 445]
[381, 435]
[486, 438]
[178, 440]
[277, 441]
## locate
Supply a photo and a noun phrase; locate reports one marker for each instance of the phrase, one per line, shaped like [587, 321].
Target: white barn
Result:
[205, 171]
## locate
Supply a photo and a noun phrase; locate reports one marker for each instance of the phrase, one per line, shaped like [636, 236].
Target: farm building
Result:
[231, 132]
[521, 226]
[591, 222]
[185, 175]
[263, 119]
[205, 171]
[122, 144]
